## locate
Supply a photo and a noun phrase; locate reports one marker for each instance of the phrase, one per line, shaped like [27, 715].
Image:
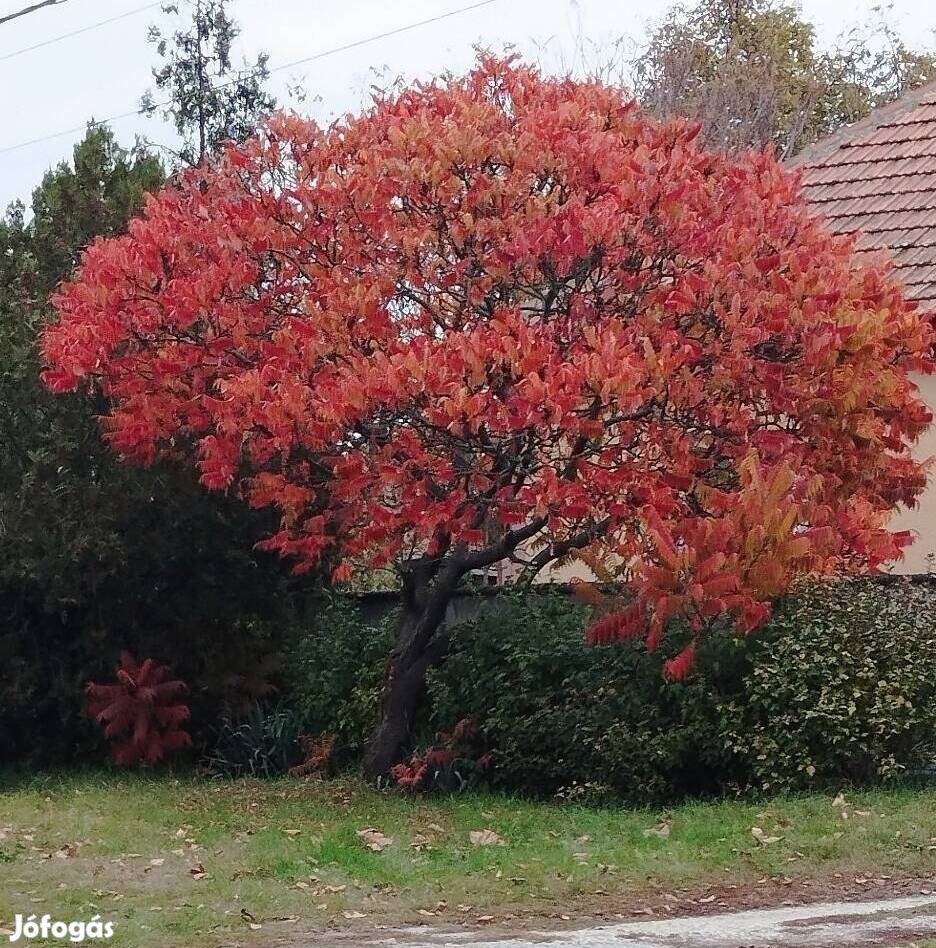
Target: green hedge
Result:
[334, 668]
[565, 718]
[841, 687]
[838, 688]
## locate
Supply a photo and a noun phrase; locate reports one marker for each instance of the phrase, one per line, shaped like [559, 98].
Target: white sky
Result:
[104, 71]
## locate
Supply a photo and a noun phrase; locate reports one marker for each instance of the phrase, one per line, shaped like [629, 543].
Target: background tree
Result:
[508, 318]
[96, 555]
[209, 100]
[751, 73]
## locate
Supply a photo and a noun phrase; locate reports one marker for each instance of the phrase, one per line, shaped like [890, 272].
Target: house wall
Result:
[922, 519]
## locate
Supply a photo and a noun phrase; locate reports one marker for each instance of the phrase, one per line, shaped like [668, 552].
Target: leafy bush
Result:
[838, 688]
[263, 744]
[454, 764]
[560, 715]
[141, 712]
[841, 687]
[334, 668]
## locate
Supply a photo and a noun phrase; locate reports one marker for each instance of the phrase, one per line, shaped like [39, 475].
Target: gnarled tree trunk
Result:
[428, 586]
[421, 642]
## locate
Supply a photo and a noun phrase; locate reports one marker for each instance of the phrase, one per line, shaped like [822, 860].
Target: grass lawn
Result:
[174, 861]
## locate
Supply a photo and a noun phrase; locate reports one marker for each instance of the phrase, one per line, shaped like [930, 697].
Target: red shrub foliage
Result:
[438, 767]
[141, 712]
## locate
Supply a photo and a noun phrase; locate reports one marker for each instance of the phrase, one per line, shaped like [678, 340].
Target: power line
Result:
[78, 32]
[290, 65]
[30, 9]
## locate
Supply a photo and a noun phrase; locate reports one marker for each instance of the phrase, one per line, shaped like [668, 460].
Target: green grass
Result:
[287, 852]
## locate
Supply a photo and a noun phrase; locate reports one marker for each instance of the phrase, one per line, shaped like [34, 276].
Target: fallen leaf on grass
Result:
[292, 832]
[198, 872]
[353, 915]
[373, 839]
[420, 842]
[484, 919]
[485, 838]
[762, 837]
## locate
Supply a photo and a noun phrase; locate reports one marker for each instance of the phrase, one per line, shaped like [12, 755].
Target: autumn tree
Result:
[509, 318]
[752, 73]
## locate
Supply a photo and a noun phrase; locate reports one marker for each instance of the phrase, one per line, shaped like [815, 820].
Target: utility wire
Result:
[78, 32]
[30, 9]
[291, 65]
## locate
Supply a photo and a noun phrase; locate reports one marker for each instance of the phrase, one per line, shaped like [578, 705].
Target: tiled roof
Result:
[878, 177]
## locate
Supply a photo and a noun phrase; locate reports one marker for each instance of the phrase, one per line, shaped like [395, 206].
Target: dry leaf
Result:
[373, 839]
[292, 832]
[484, 919]
[761, 837]
[198, 872]
[485, 838]
[351, 915]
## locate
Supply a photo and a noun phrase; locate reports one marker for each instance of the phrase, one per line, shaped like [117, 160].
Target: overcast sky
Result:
[102, 72]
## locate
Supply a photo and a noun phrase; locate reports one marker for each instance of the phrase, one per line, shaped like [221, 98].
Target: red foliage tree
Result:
[141, 712]
[508, 317]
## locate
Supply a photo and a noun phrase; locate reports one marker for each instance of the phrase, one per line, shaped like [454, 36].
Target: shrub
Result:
[265, 743]
[334, 667]
[453, 765]
[560, 715]
[141, 712]
[841, 687]
[837, 688]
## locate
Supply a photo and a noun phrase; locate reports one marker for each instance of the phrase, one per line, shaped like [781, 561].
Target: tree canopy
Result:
[210, 100]
[752, 73]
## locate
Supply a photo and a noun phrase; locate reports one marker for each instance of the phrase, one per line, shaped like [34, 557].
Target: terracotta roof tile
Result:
[877, 178]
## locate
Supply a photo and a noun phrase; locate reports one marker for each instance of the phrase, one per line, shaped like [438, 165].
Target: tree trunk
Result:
[421, 643]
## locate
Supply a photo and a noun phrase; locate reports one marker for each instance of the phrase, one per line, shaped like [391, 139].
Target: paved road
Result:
[888, 922]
